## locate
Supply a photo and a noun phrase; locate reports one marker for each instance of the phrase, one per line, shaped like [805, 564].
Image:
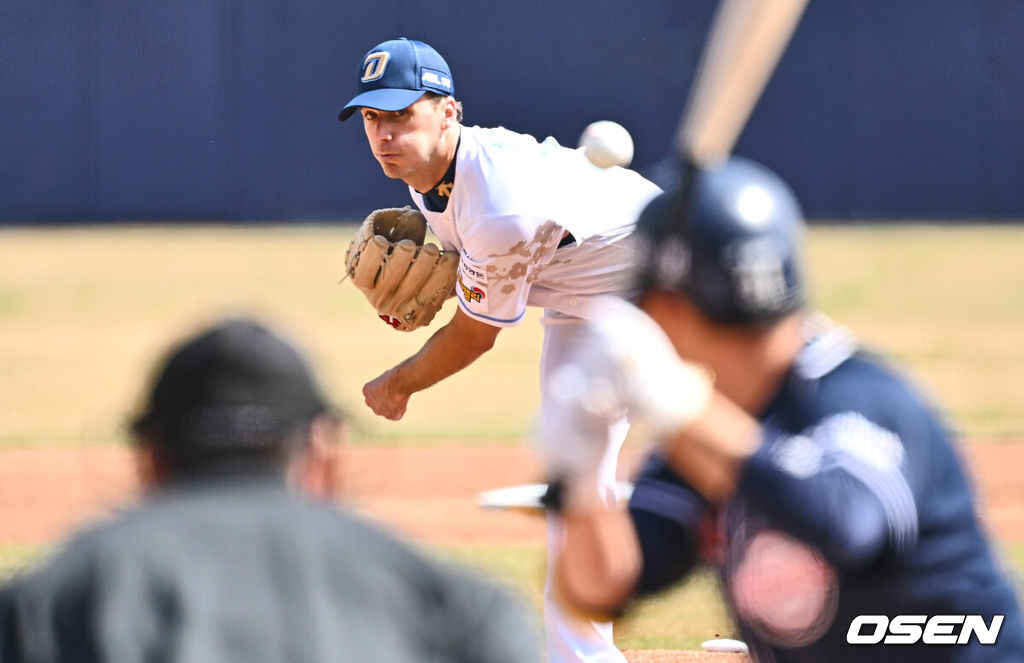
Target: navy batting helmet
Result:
[729, 239]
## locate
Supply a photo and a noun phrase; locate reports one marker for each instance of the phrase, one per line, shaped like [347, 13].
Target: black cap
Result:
[236, 386]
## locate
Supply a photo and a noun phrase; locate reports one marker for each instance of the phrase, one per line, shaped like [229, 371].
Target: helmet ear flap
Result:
[730, 240]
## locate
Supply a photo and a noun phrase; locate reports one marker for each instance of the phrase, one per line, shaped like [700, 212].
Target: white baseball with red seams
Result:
[512, 202]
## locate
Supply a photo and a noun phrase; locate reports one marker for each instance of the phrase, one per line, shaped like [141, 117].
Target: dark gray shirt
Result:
[241, 570]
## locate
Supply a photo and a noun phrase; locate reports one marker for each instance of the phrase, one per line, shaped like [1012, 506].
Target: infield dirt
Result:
[427, 493]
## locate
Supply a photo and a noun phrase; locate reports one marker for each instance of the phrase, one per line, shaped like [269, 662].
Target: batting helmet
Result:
[729, 239]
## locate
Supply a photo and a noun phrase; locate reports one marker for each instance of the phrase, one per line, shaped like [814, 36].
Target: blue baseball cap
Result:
[395, 73]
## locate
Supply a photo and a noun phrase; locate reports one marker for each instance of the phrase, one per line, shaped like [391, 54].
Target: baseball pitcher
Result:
[521, 223]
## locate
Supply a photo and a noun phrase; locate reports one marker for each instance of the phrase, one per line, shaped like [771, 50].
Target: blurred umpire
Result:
[235, 554]
[845, 524]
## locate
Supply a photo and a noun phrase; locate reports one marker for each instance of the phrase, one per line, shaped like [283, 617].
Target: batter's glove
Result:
[405, 280]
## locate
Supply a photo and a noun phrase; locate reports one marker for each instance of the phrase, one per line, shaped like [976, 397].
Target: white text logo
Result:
[434, 78]
[934, 630]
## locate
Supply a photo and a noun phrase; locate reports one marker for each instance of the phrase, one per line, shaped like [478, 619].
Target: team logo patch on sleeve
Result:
[784, 589]
[471, 294]
[472, 285]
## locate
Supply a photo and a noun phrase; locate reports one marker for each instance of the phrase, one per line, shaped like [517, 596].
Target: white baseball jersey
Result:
[511, 203]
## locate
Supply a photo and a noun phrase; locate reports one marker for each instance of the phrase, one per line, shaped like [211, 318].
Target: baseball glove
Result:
[405, 280]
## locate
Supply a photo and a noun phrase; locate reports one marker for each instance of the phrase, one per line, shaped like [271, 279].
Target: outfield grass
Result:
[946, 303]
[83, 312]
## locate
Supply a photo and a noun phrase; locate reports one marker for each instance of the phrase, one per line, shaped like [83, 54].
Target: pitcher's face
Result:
[405, 142]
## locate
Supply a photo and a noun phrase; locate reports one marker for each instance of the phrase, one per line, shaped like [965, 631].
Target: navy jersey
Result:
[856, 504]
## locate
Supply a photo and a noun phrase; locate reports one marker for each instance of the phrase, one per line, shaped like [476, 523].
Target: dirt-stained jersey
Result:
[510, 204]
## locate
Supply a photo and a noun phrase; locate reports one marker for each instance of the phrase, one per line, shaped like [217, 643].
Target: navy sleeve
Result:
[666, 513]
[840, 487]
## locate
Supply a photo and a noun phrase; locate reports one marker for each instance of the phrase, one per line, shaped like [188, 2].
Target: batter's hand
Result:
[624, 364]
[628, 350]
[385, 398]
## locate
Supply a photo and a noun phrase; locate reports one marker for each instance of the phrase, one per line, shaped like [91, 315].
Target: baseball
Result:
[607, 144]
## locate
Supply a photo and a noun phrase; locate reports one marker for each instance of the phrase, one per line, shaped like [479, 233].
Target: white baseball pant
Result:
[571, 639]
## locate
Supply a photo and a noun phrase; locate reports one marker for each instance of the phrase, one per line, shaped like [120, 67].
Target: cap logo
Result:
[374, 65]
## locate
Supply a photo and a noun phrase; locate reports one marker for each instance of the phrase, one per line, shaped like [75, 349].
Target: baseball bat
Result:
[745, 43]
